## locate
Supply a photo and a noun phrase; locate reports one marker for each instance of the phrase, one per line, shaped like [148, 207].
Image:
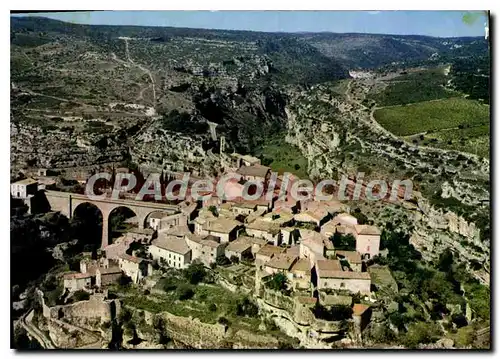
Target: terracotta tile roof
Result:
[294, 250]
[302, 265]
[257, 241]
[109, 270]
[77, 275]
[264, 226]
[172, 244]
[211, 241]
[178, 231]
[328, 265]
[345, 218]
[146, 231]
[366, 229]
[282, 261]
[343, 274]
[130, 258]
[270, 250]
[359, 309]
[351, 256]
[221, 225]
[158, 215]
[239, 245]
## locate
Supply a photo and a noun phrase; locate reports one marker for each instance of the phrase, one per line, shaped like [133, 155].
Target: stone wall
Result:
[191, 331]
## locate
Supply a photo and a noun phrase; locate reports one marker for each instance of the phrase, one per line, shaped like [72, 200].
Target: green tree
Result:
[278, 282]
[195, 273]
[247, 308]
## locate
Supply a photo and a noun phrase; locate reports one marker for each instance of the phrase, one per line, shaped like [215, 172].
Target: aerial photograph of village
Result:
[279, 180]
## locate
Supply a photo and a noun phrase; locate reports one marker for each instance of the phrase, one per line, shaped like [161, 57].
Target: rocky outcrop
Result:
[337, 135]
[35, 146]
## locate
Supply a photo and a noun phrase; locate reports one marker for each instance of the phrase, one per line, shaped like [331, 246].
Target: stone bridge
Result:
[66, 203]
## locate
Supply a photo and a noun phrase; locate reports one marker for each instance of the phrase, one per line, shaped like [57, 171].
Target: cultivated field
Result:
[453, 123]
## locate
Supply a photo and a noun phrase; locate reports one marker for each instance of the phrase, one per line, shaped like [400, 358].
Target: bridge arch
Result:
[91, 218]
[120, 219]
[66, 203]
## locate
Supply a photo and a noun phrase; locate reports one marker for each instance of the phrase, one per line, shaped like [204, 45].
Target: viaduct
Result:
[66, 203]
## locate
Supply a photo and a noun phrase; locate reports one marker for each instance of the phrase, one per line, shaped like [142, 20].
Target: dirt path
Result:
[129, 59]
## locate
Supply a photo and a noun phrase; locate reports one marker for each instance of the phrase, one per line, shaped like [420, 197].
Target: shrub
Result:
[222, 260]
[185, 292]
[421, 333]
[212, 307]
[195, 273]
[223, 321]
[247, 308]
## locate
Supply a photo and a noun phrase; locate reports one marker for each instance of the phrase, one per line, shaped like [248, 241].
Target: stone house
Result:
[289, 235]
[154, 220]
[331, 276]
[367, 240]
[169, 221]
[240, 248]
[42, 172]
[178, 231]
[265, 254]
[134, 267]
[254, 173]
[24, 188]
[78, 281]
[257, 244]
[329, 228]
[344, 223]
[352, 257]
[172, 250]
[318, 217]
[203, 217]
[280, 263]
[244, 208]
[206, 249]
[301, 274]
[279, 217]
[141, 235]
[246, 160]
[224, 228]
[107, 276]
[255, 215]
[261, 228]
[314, 246]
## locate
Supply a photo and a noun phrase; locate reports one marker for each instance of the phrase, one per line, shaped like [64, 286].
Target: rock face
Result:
[337, 134]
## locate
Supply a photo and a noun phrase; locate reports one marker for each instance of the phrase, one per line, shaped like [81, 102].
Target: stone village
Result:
[281, 237]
